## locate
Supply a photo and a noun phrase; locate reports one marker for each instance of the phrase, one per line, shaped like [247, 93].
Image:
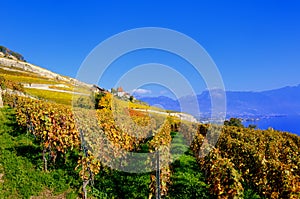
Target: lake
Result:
[285, 123]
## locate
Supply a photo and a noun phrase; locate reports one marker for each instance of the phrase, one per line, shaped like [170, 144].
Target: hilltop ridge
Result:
[25, 67]
[5, 52]
[38, 82]
[47, 85]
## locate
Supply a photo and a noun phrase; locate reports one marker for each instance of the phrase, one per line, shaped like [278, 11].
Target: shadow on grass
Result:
[32, 153]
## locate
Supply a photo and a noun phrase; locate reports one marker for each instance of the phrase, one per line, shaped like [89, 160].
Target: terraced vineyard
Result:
[88, 149]
[245, 163]
[41, 83]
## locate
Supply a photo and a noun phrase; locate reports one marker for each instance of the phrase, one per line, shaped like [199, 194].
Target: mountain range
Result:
[283, 101]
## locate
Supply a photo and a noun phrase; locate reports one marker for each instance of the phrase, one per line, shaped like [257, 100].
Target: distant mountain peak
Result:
[281, 101]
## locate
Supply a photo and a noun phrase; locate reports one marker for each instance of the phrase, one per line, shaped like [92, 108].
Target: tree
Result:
[234, 122]
[131, 98]
[97, 98]
[113, 91]
[252, 126]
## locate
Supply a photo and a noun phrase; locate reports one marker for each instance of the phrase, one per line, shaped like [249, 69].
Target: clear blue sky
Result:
[255, 43]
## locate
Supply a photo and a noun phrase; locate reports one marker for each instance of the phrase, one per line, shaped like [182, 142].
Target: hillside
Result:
[39, 82]
[13, 68]
[44, 84]
[111, 147]
[46, 147]
[5, 52]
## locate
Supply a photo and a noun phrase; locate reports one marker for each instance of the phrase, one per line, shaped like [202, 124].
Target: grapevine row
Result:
[267, 161]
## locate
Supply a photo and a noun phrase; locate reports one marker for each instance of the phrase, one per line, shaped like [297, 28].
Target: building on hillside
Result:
[120, 93]
[123, 94]
[120, 89]
[97, 89]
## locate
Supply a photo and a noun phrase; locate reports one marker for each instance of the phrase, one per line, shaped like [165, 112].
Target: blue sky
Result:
[254, 43]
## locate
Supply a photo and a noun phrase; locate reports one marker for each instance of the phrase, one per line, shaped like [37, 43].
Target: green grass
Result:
[78, 89]
[20, 164]
[116, 184]
[29, 79]
[21, 174]
[53, 96]
[178, 147]
[61, 88]
[8, 72]
[16, 72]
[22, 76]
[187, 179]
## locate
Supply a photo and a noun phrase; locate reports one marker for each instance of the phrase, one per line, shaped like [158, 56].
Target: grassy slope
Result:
[59, 97]
[21, 175]
[187, 179]
[17, 75]
[20, 161]
[53, 96]
[26, 78]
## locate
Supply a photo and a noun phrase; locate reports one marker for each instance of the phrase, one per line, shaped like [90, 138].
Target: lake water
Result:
[285, 123]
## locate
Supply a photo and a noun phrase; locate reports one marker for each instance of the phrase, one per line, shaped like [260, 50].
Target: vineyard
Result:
[101, 153]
